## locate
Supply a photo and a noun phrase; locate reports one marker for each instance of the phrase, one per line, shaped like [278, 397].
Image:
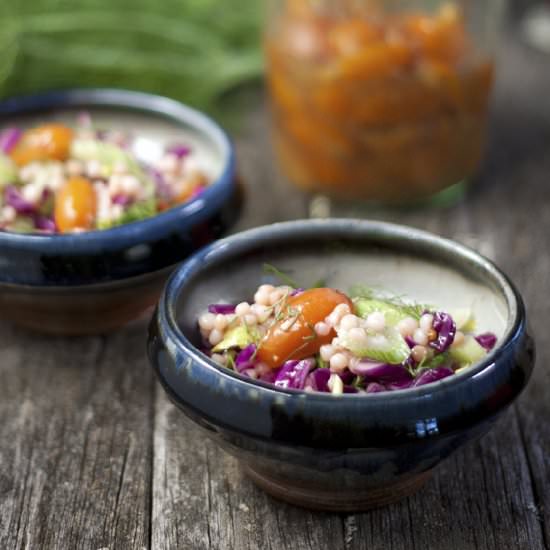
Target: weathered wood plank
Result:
[75, 433]
[201, 499]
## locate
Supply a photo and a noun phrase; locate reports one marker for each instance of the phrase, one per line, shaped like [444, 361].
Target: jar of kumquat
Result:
[379, 100]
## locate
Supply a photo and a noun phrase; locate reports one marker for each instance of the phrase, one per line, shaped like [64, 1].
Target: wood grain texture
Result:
[75, 441]
[201, 500]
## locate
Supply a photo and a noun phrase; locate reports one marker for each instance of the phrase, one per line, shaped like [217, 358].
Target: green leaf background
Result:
[193, 50]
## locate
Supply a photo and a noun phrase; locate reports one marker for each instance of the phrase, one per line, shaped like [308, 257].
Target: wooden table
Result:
[93, 456]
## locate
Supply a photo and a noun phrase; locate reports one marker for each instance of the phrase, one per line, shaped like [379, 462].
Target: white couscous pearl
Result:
[261, 312]
[8, 213]
[130, 185]
[216, 336]
[341, 310]
[266, 288]
[407, 326]
[426, 322]
[94, 169]
[242, 309]
[326, 352]
[335, 384]
[262, 297]
[207, 320]
[338, 362]
[74, 167]
[349, 321]
[419, 353]
[250, 319]
[376, 321]
[220, 322]
[169, 163]
[275, 296]
[420, 337]
[332, 320]
[322, 329]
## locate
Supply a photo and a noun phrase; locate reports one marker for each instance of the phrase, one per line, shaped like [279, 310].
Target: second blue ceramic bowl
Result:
[351, 451]
[98, 280]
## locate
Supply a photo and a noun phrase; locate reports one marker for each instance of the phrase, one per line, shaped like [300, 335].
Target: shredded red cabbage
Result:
[244, 358]
[362, 368]
[350, 389]
[487, 340]
[15, 200]
[445, 327]
[44, 224]
[293, 374]
[386, 373]
[375, 387]
[123, 200]
[410, 342]
[297, 291]
[347, 376]
[320, 380]
[221, 308]
[433, 375]
[9, 138]
[178, 150]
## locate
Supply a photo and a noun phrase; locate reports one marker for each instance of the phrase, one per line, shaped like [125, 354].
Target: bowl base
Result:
[342, 500]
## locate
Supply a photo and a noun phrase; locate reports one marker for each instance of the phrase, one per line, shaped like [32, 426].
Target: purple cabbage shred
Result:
[297, 291]
[244, 359]
[433, 375]
[487, 340]
[445, 327]
[293, 374]
[320, 380]
[179, 151]
[375, 387]
[44, 224]
[9, 138]
[225, 309]
[16, 200]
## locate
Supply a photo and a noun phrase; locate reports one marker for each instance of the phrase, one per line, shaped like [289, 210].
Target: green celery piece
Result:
[469, 352]
[22, 225]
[392, 313]
[134, 213]
[8, 171]
[393, 350]
[238, 337]
[464, 319]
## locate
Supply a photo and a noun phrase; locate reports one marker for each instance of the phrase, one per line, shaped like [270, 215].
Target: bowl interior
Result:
[401, 261]
[150, 132]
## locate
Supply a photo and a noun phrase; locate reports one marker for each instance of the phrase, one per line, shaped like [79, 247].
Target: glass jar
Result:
[379, 100]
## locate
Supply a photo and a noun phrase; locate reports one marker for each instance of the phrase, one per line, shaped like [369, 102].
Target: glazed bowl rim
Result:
[177, 341]
[212, 198]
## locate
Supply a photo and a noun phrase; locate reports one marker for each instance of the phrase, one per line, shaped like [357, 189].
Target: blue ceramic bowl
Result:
[92, 282]
[351, 451]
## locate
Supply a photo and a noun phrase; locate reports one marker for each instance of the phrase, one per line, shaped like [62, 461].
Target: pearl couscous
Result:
[322, 340]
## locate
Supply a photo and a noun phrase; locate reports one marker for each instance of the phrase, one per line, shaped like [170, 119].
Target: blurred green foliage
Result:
[192, 50]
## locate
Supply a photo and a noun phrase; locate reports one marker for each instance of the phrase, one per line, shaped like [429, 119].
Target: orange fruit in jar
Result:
[440, 37]
[294, 337]
[48, 142]
[75, 206]
[353, 36]
[376, 62]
